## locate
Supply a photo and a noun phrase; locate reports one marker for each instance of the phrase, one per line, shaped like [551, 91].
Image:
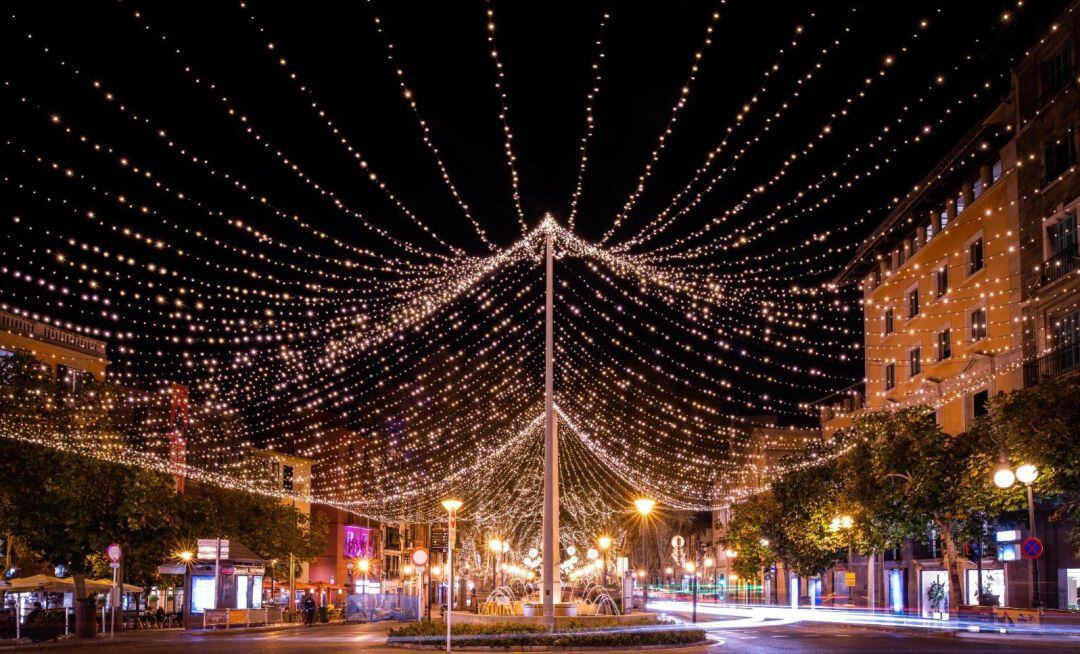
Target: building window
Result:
[941, 281]
[960, 203]
[979, 403]
[1056, 71]
[890, 376]
[915, 361]
[930, 231]
[975, 256]
[978, 324]
[1058, 155]
[944, 219]
[889, 321]
[996, 171]
[1062, 235]
[944, 344]
[977, 188]
[287, 477]
[913, 302]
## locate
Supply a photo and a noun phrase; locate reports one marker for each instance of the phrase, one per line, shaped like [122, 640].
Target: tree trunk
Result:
[952, 568]
[85, 621]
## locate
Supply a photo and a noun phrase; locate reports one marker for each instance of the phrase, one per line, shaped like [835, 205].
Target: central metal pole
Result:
[552, 591]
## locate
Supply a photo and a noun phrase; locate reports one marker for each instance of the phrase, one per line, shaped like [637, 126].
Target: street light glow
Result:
[644, 505]
[451, 505]
[604, 542]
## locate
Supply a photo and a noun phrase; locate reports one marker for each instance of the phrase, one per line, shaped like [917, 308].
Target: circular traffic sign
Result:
[419, 557]
[1031, 548]
[113, 552]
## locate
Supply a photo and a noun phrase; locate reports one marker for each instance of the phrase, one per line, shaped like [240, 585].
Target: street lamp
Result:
[644, 507]
[729, 554]
[451, 506]
[363, 565]
[845, 523]
[349, 588]
[692, 569]
[1027, 474]
[605, 544]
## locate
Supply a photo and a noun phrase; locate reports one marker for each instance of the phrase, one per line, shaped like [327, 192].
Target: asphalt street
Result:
[787, 638]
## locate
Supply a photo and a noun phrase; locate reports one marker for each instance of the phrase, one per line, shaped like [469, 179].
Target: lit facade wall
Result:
[942, 310]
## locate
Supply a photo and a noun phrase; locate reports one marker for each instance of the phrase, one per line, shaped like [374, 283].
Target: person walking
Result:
[309, 610]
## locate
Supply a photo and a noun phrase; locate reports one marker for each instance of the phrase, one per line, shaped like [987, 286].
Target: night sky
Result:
[547, 50]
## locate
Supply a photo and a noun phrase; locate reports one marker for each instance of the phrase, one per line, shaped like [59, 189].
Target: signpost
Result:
[420, 558]
[114, 553]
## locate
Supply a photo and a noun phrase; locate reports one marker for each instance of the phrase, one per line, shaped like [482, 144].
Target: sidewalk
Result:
[150, 635]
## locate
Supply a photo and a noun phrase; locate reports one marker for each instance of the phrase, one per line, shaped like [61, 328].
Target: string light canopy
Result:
[299, 233]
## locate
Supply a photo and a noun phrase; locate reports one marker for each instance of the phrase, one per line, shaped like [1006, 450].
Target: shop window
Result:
[890, 321]
[915, 361]
[890, 376]
[992, 580]
[975, 256]
[913, 302]
[1072, 582]
[1058, 155]
[944, 344]
[1056, 71]
[978, 324]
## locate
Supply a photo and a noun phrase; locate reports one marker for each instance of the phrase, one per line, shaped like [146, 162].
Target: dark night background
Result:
[547, 49]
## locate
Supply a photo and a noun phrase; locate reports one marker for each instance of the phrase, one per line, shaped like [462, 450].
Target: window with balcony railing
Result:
[1062, 239]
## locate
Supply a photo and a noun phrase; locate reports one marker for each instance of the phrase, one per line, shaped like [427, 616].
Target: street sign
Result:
[208, 549]
[420, 557]
[849, 579]
[113, 552]
[1031, 548]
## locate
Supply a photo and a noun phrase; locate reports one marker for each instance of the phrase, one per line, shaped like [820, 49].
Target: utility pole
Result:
[550, 569]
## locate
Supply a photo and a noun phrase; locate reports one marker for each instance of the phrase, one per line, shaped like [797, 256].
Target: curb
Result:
[1066, 642]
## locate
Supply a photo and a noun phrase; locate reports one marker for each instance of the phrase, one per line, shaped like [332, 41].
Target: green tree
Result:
[915, 480]
[798, 529]
[1040, 426]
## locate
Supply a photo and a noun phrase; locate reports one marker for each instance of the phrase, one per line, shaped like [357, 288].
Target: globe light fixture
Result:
[604, 542]
[1027, 473]
[451, 505]
[1003, 476]
[495, 545]
[363, 565]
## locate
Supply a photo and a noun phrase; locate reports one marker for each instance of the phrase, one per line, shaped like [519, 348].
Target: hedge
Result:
[594, 634]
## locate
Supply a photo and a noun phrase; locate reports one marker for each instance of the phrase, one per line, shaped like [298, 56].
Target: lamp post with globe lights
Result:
[1004, 477]
[644, 507]
[729, 554]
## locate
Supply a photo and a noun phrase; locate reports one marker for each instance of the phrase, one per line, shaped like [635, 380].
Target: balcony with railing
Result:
[49, 334]
[1052, 364]
[841, 403]
[1059, 265]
